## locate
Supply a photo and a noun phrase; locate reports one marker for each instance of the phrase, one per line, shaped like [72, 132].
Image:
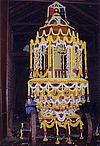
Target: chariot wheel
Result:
[88, 128]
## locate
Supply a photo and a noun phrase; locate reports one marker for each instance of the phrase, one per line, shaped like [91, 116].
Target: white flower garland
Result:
[61, 119]
[82, 85]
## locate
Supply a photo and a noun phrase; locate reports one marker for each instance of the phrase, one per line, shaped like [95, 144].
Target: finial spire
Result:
[56, 9]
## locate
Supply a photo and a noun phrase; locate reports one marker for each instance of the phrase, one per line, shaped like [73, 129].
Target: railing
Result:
[58, 73]
[61, 73]
[38, 74]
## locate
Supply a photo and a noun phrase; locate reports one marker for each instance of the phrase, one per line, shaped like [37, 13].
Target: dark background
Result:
[20, 20]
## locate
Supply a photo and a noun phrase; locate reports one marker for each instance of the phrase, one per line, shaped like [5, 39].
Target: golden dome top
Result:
[56, 21]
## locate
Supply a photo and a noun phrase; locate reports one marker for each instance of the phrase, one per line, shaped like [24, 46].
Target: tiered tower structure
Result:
[58, 73]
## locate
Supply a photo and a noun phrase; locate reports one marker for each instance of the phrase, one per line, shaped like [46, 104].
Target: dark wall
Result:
[3, 59]
[21, 80]
[94, 73]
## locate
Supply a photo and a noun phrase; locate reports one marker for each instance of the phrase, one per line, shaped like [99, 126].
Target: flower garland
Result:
[36, 74]
[36, 60]
[75, 85]
[46, 124]
[73, 39]
[59, 118]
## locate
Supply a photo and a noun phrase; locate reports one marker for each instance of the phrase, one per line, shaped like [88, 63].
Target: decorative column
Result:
[49, 58]
[31, 44]
[53, 56]
[85, 56]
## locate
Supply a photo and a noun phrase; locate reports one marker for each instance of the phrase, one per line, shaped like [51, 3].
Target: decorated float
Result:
[58, 81]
